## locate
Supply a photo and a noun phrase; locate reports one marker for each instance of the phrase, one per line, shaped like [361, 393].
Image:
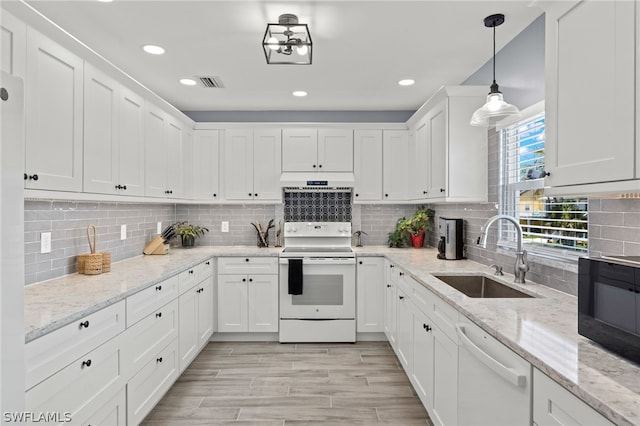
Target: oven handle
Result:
[322, 260]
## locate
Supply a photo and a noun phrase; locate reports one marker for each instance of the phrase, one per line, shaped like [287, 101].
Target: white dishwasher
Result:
[494, 383]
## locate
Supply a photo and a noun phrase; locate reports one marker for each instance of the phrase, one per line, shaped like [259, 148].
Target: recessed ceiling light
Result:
[188, 82]
[152, 49]
[406, 82]
[105, 1]
[299, 93]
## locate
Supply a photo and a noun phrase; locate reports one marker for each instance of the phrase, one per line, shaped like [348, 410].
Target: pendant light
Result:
[495, 109]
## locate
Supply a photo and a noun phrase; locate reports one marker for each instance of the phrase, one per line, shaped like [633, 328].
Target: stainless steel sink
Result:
[481, 287]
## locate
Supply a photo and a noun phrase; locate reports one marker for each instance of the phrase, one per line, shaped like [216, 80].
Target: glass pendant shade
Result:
[287, 42]
[494, 111]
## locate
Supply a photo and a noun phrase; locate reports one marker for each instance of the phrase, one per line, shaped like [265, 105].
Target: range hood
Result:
[317, 180]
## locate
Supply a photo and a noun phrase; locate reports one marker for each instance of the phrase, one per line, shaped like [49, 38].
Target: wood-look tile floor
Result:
[292, 384]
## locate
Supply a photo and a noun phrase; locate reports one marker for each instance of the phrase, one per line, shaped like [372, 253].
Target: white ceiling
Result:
[361, 48]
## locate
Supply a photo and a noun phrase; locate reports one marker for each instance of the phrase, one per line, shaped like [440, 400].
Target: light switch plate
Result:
[224, 227]
[123, 232]
[159, 228]
[45, 242]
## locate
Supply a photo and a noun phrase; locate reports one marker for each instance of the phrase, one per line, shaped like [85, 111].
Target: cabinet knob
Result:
[215, 195]
[207, 263]
[124, 187]
[425, 192]
[442, 190]
[401, 297]
[118, 187]
[426, 327]
[388, 285]
[401, 274]
[190, 271]
[246, 260]
[357, 195]
[250, 280]
[26, 176]
[360, 262]
[32, 177]
[86, 363]
[391, 266]
[159, 315]
[158, 288]
[255, 195]
[159, 359]
[84, 324]
[244, 280]
[319, 166]
[386, 195]
[249, 194]
[314, 166]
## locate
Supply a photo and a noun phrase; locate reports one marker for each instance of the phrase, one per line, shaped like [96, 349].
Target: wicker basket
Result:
[93, 263]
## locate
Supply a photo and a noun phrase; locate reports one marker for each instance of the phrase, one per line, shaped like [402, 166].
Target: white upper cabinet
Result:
[367, 165]
[13, 38]
[449, 157]
[590, 131]
[325, 150]
[206, 154]
[53, 108]
[163, 154]
[251, 164]
[131, 143]
[395, 155]
[101, 139]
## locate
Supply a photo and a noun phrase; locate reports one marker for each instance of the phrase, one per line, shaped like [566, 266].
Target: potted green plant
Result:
[188, 233]
[412, 229]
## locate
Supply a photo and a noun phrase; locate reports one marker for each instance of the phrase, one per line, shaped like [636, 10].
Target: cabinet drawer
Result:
[82, 387]
[52, 352]
[193, 276]
[247, 265]
[148, 336]
[151, 299]
[445, 316]
[554, 405]
[422, 298]
[112, 413]
[147, 387]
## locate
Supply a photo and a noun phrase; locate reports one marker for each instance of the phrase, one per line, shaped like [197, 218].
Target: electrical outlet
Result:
[224, 227]
[123, 232]
[159, 228]
[45, 242]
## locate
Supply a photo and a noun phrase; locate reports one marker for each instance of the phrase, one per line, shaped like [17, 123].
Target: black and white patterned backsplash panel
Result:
[317, 206]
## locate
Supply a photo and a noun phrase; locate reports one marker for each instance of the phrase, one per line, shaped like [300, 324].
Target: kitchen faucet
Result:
[520, 269]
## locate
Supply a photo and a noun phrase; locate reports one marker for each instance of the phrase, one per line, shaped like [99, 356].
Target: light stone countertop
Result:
[543, 330]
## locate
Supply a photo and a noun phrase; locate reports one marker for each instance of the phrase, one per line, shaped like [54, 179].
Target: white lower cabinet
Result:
[148, 336]
[445, 379]
[111, 413]
[248, 302]
[423, 343]
[80, 389]
[390, 303]
[370, 294]
[554, 405]
[405, 330]
[150, 384]
[196, 320]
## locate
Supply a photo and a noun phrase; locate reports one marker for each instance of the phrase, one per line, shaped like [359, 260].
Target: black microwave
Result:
[609, 303]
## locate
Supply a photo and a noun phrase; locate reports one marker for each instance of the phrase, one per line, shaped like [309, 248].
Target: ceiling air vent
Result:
[213, 82]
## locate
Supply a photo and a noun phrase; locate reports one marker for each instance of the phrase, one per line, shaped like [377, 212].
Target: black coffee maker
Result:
[451, 244]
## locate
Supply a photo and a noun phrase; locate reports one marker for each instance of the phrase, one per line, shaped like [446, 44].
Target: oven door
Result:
[328, 289]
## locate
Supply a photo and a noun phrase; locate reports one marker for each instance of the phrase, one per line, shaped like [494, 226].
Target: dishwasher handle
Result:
[509, 374]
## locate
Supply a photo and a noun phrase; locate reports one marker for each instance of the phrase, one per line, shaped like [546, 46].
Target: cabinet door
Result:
[232, 303]
[131, 144]
[238, 164]
[395, 146]
[13, 36]
[263, 302]
[390, 303]
[335, 150]
[589, 136]
[174, 134]
[53, 108]
[205, 311]
[405, 331]
[187, 164]
[188, 344]
[370, 294]
[299, 150]
[155, 166]
[101, 143]
[267, 164]
[206, 145]
[445, 379]
[112, 413]
[437, 151]
[421, 161]
[423, 368]
[367, 165]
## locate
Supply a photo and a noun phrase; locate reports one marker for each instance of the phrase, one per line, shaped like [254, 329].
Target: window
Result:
[551, 225]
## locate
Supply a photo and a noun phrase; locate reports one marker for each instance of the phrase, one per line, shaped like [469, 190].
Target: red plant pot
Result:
[417, 240]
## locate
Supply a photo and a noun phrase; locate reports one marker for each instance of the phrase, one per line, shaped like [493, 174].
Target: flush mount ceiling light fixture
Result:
[495, 109]
[287, 42]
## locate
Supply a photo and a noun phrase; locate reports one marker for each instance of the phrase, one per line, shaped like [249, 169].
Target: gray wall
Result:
[300, 116]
